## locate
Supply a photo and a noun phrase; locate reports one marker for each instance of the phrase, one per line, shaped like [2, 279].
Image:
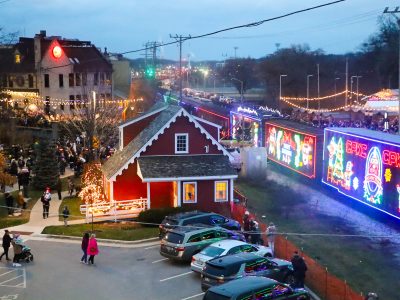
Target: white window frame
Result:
[184, 192]
[186, 135]
[227, 190]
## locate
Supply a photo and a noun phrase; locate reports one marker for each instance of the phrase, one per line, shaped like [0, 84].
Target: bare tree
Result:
[7, 38]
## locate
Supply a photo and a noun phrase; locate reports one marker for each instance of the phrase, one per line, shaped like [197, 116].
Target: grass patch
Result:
[367, 265]
[108, 230]
[6, 221]
[73, 204]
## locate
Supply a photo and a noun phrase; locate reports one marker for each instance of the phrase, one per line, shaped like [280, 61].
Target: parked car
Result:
[226, 247]
[182, 243]
[196, 217]
[255, 288]
[222, 269]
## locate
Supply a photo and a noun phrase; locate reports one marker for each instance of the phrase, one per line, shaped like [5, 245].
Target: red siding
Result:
[165, 145]
[210, 129]
[205, 199]
[161, 194]
[132, 130]
[128, 185]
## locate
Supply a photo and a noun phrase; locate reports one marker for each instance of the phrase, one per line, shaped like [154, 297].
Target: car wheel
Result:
[290, 279]
[268, 255]
[31, 258]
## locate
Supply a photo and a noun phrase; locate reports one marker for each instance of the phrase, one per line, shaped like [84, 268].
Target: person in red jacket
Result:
[92, 249]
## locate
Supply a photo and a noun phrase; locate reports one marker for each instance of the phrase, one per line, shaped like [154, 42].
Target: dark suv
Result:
[197, 217]
[182, 243]
[222, 269]
[255, 288]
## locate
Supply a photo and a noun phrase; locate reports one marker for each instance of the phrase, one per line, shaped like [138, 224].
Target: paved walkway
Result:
[36, 222]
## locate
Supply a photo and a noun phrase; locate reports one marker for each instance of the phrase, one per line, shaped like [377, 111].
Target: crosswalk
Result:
[13, 277]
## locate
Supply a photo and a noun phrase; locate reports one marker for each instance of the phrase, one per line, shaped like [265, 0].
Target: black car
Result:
[226, 268]
[196, 217]
[255, 288]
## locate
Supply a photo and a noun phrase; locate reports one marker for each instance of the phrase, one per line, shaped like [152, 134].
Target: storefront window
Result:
[221, 191]
[190, 192]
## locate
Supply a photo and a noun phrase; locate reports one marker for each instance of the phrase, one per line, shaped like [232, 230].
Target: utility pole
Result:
[319, 100]
[347, 82]
[308, 89]
[236, 47]
[394, 12]
[181, 39]
[358, 77]
[336, 78]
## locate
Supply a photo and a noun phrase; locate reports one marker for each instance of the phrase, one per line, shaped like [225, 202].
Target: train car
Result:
[295, 146]
[364, 165]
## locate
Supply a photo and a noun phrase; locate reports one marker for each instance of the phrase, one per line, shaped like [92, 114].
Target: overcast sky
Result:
[124, 25]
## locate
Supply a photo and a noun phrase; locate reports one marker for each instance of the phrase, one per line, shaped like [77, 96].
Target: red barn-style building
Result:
[169, 158]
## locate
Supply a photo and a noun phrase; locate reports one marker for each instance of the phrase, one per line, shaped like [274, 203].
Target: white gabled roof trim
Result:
[181, 112]
[207, 122]
[142, 117]
[190, 178]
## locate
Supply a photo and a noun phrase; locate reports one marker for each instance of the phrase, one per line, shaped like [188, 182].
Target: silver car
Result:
[226, 247]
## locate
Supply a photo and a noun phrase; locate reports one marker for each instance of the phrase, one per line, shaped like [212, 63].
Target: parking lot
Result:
[118, 273]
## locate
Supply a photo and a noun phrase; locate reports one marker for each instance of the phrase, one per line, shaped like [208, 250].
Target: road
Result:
[118, 273]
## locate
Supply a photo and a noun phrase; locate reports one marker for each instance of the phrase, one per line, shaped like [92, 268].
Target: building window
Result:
[71, 102]
[190, 192]
[4, 81]
[84, 79]
[181, 143]
[62, 106]
[17, 58]
[46, 80]
[10, 81]
[96, 78]
[30, 80]
[78, 101]
[85, 100]
[101, 78]
[47, 105]
[78, 79]
[71, 79]
[221, 191]
[108, 78]
[61, 80]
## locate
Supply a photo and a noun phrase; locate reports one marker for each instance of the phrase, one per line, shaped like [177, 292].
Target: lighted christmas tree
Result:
[46, 167]
[338, 165]
[92, 182]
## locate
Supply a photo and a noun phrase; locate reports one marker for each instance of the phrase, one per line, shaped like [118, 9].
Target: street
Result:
[118, 273]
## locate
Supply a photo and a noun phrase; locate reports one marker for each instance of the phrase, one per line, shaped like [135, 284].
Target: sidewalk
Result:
[36, 222]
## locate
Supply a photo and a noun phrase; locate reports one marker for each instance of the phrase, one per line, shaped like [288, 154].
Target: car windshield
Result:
[214, 296]
[212, 251]
[175, 238]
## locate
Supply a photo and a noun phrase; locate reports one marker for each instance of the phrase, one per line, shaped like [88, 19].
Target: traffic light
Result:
[150, 72]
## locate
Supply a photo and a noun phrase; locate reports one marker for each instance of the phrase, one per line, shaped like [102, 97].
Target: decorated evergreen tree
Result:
[46, 168]
[338, 166]
[5, 178]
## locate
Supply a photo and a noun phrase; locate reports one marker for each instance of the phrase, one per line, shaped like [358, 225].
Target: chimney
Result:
[43, 33]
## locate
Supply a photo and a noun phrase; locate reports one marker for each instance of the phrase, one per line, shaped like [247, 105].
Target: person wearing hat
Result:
[6, 244]
[271, 233]
[46, 198]
[246, 224]
[9, 203]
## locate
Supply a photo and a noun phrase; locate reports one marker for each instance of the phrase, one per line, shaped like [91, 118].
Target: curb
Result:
[68, 237]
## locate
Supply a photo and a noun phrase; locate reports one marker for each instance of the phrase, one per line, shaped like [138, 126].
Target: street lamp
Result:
[337, 78]
[205, 73]
[241, 88]
[280, 88]
[358, 77]
[308, 88]
[351, 87]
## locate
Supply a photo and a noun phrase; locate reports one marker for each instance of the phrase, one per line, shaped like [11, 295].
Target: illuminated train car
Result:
[365, 166]
[295, 146]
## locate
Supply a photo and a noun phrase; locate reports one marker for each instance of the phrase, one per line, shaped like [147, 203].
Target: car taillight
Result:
[180, 248]
[193, 259]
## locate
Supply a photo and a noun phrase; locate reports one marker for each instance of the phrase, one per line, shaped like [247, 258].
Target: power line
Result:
[254, 24]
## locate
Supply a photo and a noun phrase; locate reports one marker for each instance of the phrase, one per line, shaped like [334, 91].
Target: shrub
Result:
[156, 215]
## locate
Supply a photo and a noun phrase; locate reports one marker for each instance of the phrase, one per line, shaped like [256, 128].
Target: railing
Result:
[115, 209]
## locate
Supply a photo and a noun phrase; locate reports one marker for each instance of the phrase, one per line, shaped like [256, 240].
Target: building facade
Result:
[59, 75]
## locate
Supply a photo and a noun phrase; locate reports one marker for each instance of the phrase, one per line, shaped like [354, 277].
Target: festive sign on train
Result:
[365, 169]
[290, 148]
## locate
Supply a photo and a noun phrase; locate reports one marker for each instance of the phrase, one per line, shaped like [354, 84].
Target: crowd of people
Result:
[378, 122]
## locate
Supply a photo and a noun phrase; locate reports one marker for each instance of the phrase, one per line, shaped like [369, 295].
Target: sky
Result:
[125, 25]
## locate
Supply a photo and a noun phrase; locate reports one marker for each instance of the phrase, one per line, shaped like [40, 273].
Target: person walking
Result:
[256, 234]
[246, 225]
[299, 269]
[271, 234]
[84, 246]
[70, 186]
[92, 249]
[9, 203]
[6, 244]
[66, 215]
[46, 198]
[17, 250]
[59, 188]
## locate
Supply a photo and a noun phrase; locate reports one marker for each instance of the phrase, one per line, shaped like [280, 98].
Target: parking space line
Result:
[172, 277]
[7, 272]
[152, 247]
[194, 296]
[1, 283]
[156, 261]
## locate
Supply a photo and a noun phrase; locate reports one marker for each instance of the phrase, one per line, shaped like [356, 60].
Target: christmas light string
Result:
[324, 97]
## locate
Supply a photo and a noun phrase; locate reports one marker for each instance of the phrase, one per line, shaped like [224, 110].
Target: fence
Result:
[114, 210]
[327, 286]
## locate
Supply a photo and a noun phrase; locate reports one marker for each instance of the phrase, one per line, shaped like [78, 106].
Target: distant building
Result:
[56, 74]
